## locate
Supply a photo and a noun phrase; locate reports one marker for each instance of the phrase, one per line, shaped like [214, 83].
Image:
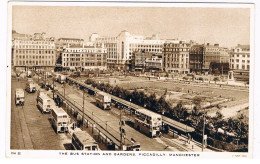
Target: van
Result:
[30, 87]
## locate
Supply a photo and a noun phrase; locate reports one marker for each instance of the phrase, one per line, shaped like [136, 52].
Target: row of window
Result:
[29, 62]
[32, 42]
[176, 55]
[33, 47]
[240, 55]
[177, 49]
[237, 66]
[35, 51]
[185, 66]
[133, 46]
[177, 45]
[34, 57]
[237, 61]
[86, 50]
[79, 64]
[82, 55]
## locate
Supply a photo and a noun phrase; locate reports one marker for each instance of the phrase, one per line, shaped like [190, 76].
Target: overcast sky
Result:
[226, 26]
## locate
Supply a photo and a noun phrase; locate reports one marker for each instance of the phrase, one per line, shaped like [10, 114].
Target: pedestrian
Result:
[189, 138]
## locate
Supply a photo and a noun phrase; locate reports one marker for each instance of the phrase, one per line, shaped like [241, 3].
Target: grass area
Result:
[177, 91]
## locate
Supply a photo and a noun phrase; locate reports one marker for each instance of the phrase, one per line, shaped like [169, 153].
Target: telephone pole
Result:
[64, 89]
[121, 136]
[83, 111]
[203, 131]
[53, 88]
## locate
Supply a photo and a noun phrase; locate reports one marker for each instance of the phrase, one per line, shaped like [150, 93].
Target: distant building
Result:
[215, 59]
[19, 36]
[63, 43]
[176, 57]
[146, 61]
[83, 57]
[34, 53]
[120, 49]
[240, 62]
[196, 58]
[154, 63]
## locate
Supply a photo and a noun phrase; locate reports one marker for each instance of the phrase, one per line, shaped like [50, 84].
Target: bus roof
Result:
[102, 93]
[84, 137]
[19, 90]
[148, 113]
[44, 95]
[59, 111]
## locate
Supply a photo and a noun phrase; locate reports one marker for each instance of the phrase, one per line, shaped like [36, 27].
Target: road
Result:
[112, 119]
[31, 130]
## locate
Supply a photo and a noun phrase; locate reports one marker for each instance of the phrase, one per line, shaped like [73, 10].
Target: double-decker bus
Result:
[103, 100]
[148, 122]
[19, 96]
[60, 120]
[44, 102]
[81, 140]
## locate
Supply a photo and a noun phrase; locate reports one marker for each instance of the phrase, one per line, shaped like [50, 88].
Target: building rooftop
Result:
[243, 46]
[59, 111]
[70, 39]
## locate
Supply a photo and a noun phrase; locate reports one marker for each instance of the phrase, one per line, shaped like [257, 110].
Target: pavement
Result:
[30, 129]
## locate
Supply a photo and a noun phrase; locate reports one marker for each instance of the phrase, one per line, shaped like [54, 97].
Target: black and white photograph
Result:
[148, 77]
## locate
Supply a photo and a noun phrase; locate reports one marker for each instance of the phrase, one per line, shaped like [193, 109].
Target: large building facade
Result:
[34, 53]
[215, 59]
[176, 57]
[87, 56]
[240, 57]
[146, 61]
[120, 49]
[240, 62]
[196, 58]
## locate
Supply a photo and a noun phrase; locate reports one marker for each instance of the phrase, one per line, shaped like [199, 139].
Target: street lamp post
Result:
[83, 111]
[64, 90]
[203, 131]
[53, 88]
[121, 145]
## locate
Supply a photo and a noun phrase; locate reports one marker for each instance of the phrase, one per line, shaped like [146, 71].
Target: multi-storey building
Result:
[215, 59]
[121, 48]
[63, 43]
[154, 62]
[196, 58]
[240, 57]
[240, 62]
[176, 56]
[87, 56]
[146, 61]
[37, 52]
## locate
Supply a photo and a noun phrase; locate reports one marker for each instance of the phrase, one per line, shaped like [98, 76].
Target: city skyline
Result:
[200, 24]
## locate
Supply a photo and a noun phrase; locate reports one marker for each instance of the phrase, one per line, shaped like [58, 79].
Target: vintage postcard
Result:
[130, 79]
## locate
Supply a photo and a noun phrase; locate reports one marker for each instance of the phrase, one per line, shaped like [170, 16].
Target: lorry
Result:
[30, 87]
[19, 96]
[62, 79]
[103, 100]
